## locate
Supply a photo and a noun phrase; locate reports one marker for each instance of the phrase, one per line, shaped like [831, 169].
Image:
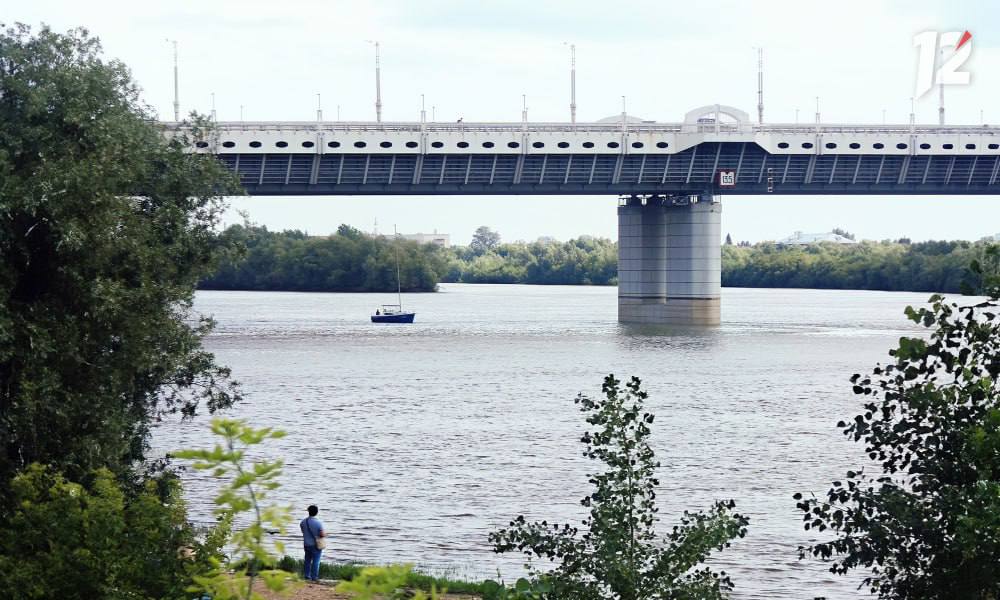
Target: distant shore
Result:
[351, 261]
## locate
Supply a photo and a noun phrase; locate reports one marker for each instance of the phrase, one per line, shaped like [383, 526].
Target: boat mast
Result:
[399, 284]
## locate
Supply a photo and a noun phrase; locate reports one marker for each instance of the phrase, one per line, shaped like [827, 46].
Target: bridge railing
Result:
[604, 128]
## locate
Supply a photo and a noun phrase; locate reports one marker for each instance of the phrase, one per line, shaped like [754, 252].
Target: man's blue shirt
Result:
[311, 528]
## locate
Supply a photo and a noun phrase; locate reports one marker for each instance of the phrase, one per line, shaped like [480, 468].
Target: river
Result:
[418, 440]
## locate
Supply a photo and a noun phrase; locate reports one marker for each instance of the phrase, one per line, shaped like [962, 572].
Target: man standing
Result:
[313, 542]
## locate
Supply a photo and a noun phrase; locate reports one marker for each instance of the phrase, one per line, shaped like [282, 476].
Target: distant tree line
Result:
[581, 261]
[890, 266]
[347, 261]
[352, 261]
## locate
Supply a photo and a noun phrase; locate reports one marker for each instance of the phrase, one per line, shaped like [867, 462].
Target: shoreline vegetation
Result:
[415, 579]
[352, 261]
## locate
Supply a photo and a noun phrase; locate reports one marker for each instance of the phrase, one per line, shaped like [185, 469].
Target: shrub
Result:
[620, 556]
[89, 540]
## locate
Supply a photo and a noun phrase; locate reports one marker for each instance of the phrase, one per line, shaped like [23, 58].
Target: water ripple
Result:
[417, 441]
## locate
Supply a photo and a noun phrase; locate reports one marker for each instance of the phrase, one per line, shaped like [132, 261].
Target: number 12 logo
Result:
[947, 74]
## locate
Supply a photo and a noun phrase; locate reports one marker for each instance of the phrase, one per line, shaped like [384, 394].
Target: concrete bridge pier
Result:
[670, 260]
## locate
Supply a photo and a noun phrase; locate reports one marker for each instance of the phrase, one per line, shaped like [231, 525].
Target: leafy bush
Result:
[925, 523]
[89, 540]
[619, 556]
[386, 583]
[523, 589]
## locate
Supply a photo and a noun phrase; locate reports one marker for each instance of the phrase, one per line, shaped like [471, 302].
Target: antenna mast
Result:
[760, 86]
[378, 86]
[572, 83]
[177, 102]
[399, 284]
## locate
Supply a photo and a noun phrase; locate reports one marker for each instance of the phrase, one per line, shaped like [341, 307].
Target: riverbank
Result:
[332, 573]
[325, 591]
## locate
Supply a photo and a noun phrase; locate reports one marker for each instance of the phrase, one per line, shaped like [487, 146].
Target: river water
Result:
[416, 441]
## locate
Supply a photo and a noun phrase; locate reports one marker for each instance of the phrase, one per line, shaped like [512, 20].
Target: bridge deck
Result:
[691, 171]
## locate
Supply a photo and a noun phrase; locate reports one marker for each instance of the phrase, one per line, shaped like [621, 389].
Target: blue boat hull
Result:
[396, 318]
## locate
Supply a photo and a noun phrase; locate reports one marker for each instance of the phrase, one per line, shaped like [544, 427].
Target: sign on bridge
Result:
[727, 178]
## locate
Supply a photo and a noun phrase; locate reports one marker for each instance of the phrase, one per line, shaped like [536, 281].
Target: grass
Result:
[415, 580]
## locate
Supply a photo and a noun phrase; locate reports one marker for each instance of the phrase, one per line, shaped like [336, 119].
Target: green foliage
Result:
[71, 540]
[890, 266]
[388, 583]
[484, 240]
[620, 556]
[924, 523]
[581, 261]
[414, 579]
[523, 589]
[843, 233]
[983, 275]
[348, 261]
[246, 491]
[105, 228]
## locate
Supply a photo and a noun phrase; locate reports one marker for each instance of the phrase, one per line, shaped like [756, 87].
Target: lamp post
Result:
[177, 102]
[378, 82]
[572, 82]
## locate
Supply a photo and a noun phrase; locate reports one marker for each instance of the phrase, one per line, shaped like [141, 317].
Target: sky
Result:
[474, 60]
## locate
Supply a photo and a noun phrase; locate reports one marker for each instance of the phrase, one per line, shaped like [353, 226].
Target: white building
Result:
[441, 239]
[804, 239]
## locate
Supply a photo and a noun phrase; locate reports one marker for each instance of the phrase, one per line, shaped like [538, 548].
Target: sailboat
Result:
[394, 313]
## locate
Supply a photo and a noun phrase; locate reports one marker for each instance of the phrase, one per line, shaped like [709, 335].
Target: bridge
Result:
[669, 176]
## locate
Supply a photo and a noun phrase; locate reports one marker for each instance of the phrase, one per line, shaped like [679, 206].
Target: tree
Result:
[247, 491]
[105, 227]
[983, 274]
[843, 232]
[484, 240]
[729, 240]
[925, 522]
[620, 556]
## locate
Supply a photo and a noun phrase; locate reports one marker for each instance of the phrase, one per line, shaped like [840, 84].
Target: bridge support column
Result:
[670, 260]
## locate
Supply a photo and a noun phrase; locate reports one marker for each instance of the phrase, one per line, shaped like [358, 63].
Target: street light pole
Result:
[378, 82]
[572, 83]
[177, 102]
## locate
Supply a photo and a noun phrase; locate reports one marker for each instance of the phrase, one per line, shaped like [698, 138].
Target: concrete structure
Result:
[439, 239]
[613, 158]
[669, 263]
[670, 260]
[804, 239]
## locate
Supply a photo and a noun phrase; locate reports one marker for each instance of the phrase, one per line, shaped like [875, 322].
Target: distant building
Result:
[804, 239]
[440, 239]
